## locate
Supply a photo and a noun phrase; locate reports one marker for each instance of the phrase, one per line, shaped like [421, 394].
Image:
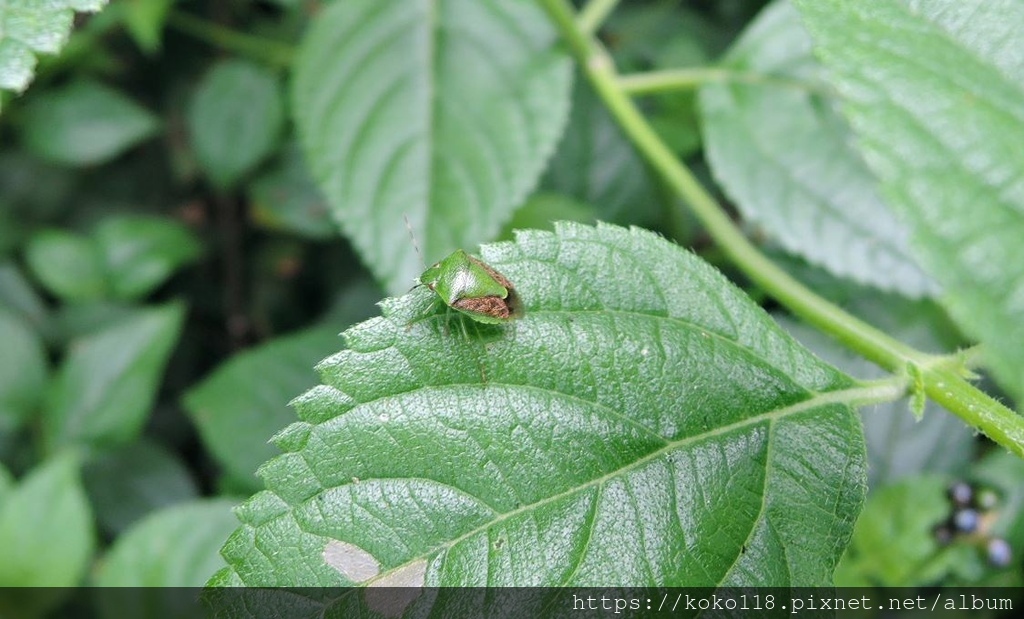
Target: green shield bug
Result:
[471, 286]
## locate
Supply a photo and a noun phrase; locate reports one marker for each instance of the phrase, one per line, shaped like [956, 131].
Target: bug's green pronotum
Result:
[471, 286]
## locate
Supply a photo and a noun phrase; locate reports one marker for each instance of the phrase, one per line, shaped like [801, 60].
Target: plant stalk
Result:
[270, 52]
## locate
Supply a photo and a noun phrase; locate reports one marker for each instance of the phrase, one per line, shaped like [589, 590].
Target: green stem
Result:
[940, 383]
[594, 13]
[669, 80]
[268, 51]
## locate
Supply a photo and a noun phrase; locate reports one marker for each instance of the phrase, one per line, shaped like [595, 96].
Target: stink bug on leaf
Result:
[469, 285]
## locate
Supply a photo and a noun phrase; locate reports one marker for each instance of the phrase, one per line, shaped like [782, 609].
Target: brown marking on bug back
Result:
[488, 306]
[511, 302]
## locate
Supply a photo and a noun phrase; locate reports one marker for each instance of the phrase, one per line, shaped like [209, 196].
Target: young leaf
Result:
[144, 20]
[67, 264]
[106, 385]
[235, 119]
[85, 123]
[643, 423]
[935, 94]
[46, 528]
[31, 27]
[444, 112]
[140, 252]
[782, 154]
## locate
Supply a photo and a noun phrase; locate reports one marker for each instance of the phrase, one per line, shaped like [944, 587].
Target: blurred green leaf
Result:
[12, 231]
[125, 258]
[444, 112]
[596, 164]
[285, 197]
[6, 483]
[85, 123]
[141, 252]
[783, 155]
[106, 385]
[174, 547]
[1004, 472]
[75, 321]
[245, 401]
[69, 265]
[18, 296]
[128, 483]
[144, 20]
[641, 396]
[23, 371]
[32, 190]
[893, 543]
[30, 27]
[235, 119]
[935, 96]
[46, 528]
[542, 209]
[643, 35]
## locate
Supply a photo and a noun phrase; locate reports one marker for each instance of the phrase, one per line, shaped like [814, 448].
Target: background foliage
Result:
[196, 197]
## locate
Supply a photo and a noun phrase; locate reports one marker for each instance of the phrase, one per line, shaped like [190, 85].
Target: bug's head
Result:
[430, 276]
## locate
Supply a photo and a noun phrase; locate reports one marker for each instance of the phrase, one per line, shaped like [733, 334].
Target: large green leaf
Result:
[109, 380]
[935, 93]
[85, 123]
[644, 423]
[444, 111]
[782, 153]
[46, 528]
[30, 27]
[235, 119]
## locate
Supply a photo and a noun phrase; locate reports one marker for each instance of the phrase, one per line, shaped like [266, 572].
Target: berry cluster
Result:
[974, 511]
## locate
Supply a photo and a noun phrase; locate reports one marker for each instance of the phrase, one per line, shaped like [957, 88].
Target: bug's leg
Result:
[427, 312]
[448, 314]
[482, 361]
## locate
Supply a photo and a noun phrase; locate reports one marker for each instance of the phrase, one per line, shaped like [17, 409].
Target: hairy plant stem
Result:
[268, 51]
[942, 384]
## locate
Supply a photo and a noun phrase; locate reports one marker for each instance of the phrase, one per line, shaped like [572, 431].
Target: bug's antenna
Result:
[412, 237]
